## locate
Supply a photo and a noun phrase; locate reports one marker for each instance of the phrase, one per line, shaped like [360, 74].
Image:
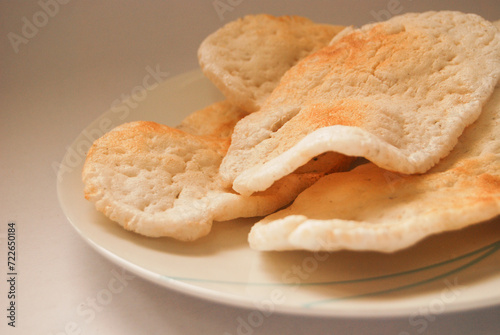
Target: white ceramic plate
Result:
[455, 271]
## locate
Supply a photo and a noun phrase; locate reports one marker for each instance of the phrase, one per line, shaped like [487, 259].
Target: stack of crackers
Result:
[368, 138]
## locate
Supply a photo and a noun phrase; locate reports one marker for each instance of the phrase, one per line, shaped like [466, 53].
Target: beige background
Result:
[62, 64]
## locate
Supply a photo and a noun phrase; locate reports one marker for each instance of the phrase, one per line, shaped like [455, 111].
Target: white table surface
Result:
[56, 79]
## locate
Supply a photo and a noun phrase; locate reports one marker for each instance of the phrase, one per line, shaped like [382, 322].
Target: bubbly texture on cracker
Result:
[246, 58]
[157, 180]
[398, 93]
[369, 208]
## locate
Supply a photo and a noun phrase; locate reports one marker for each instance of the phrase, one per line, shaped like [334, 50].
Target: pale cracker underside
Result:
[246, 58]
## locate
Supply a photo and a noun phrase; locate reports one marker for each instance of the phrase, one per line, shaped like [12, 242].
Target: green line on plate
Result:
[494, 246]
